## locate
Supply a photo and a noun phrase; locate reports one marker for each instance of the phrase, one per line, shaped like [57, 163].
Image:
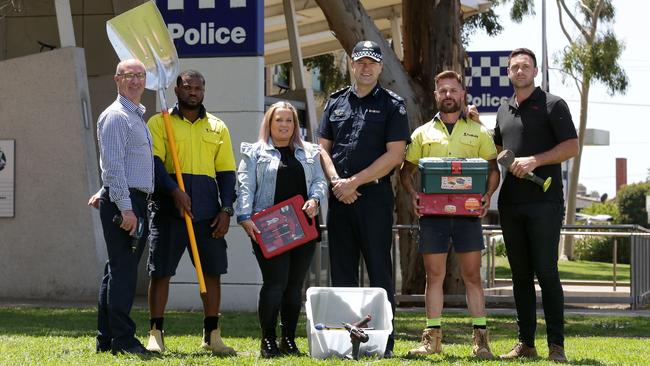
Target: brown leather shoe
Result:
[556, 354]
[520, 350]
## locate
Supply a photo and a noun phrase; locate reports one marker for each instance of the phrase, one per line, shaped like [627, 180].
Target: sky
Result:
[626, 117]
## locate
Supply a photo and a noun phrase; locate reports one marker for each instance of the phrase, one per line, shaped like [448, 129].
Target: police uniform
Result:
[208, 168]
[359, 129]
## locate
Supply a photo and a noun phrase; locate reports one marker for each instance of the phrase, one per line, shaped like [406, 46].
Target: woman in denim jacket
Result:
[279, 166]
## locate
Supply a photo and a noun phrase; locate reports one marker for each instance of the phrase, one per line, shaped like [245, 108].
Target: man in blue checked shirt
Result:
[127, 166]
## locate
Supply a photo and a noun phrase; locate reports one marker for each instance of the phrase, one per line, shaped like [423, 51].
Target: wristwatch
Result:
[228, 210]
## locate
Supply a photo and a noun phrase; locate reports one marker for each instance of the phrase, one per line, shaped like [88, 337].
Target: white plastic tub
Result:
[332, 305]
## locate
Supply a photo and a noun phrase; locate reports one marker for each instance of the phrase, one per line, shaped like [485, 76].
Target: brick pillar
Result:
[621, 173]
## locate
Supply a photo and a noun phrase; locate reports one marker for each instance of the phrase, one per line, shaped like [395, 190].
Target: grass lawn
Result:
[576, 270]
[33, 336]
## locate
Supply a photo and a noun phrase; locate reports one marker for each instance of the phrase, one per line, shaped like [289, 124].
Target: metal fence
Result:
[639, 262]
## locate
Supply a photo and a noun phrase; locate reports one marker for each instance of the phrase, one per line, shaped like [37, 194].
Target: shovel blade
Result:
[141, 33]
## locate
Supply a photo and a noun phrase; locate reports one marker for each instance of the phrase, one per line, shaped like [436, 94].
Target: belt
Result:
[137, 192]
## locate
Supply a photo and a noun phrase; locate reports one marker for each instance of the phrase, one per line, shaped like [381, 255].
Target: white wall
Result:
[53, 247]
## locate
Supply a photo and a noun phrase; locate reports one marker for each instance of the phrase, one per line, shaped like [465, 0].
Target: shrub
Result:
[599, 249]
[500, 247]
[631, 204]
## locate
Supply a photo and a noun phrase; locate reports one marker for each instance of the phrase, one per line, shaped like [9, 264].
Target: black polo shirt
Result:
[359, 128]
[537, 125]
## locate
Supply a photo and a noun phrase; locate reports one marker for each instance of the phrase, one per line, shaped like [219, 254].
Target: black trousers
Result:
[532, 234]
[281, 293]
[115, 328]
[363, 228]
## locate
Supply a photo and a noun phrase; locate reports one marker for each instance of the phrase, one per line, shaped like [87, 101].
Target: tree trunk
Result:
[567, 248]
[432, 44]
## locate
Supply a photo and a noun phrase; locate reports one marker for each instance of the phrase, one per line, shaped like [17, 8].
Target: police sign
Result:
[213, 28]
[487, 80]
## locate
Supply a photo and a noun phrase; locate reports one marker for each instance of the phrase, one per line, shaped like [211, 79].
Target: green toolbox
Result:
[453, 175]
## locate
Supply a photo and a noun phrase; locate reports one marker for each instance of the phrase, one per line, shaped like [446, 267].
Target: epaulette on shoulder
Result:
[394, 95]
[339, 92]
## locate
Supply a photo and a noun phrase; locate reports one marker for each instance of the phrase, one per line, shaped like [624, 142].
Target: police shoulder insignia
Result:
[402, 109]
[394, 95]
[339, 92]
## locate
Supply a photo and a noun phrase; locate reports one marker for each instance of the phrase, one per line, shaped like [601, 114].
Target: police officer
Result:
[363, 134]
[126, 161]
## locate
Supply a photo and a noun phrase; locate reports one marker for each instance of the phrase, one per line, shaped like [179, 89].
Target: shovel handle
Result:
[181, 185]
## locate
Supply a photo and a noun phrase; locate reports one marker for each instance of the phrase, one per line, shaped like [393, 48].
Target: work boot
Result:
[269, 349]
[431, 343]
[216, 344]
[556, 354]
[156, 341]
[288, 346]
[520, 350]
[481, 344]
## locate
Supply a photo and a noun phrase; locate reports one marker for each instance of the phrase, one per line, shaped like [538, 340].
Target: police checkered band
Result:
[373, 55]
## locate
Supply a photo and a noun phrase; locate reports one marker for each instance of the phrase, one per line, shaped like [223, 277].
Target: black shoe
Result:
[269, 348]
[102, 346]
[388, 353]
[138, 350]
[288, 346]
[102, 349]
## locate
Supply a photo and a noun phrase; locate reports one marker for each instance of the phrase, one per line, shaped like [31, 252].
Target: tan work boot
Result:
[431, 343]
[156, 341]
[481, 344]
[556, 354]
[520, 350]
[216, 344]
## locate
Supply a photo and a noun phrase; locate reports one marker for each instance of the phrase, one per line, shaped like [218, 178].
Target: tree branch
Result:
[566, 33]
[586, 8]
[573, 19]
[594, 19]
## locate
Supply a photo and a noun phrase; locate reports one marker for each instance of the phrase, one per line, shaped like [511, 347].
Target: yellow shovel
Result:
[141, 33]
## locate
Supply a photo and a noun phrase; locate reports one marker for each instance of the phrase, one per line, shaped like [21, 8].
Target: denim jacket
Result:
[257, 173]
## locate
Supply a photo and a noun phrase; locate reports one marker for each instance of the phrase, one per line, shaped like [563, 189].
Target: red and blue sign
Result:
[487, 80]
[215, 28]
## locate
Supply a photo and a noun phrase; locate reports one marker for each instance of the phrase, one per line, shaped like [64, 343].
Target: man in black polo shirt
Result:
[363, 133]
[537, 127]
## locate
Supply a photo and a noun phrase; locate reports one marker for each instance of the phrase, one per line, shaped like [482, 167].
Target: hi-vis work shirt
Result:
[206, 160]
[468, 139]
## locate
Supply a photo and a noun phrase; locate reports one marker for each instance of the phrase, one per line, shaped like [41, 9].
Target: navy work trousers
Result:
[363, 228]
[531, 232]
[115, 328]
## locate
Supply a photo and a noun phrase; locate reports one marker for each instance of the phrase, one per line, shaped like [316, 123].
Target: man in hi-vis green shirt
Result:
[451, 134]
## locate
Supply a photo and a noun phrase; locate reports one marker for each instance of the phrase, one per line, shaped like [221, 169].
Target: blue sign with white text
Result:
[487, 80]
[215, 28]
